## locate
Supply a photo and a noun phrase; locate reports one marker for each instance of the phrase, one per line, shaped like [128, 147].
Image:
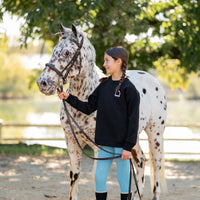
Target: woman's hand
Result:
[63, 95]
[126, 154]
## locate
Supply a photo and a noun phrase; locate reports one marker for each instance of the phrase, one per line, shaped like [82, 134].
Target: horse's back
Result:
[145, 83]
[153, 100]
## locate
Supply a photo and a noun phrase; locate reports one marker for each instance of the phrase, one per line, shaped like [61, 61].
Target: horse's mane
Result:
[89, 44]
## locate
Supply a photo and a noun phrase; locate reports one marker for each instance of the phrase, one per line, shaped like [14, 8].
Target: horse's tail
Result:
[162, 172]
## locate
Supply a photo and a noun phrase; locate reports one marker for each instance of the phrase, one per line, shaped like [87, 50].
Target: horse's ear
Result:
[62, 29]
[74, 30]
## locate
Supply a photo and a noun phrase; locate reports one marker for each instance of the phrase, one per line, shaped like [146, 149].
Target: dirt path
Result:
[43, 178]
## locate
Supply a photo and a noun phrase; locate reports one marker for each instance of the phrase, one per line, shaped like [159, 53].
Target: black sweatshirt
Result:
[117, 117]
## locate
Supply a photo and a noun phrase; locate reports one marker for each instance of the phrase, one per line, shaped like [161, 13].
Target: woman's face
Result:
[111, 65]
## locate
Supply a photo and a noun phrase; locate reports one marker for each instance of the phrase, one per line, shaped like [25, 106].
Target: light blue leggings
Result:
[103, 167]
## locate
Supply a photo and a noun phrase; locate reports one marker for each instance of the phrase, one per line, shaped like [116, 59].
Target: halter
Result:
[70, 64]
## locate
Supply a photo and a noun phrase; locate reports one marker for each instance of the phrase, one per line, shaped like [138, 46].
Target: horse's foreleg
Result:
[75, 159]
[139, 162]
[96, 150]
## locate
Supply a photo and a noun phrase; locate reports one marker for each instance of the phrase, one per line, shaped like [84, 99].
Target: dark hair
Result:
[115, 53]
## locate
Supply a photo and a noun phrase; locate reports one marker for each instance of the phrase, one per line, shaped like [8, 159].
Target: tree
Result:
[13, 77]
[160, 31]
[177, 23]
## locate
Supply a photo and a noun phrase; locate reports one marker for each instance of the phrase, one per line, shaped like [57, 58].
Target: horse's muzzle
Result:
[46, 87]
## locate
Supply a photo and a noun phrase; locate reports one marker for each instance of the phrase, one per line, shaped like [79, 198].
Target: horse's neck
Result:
[83, 85]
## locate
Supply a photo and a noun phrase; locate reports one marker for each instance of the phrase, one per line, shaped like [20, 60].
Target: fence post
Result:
[1, 125]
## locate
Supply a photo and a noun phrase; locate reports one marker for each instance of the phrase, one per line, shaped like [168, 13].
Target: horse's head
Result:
[65, 62]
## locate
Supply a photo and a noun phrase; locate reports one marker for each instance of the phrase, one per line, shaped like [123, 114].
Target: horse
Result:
[73, 61]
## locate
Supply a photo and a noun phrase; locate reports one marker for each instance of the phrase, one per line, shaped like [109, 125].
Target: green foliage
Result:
[36, 149]
[176, 77]
[159, 30]
[32, 85]
[40, 48]
[13, 77]
[42, 17]
[16, 81]
[3, 42]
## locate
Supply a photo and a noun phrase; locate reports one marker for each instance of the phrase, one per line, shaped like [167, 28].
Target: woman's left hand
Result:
[126, 154]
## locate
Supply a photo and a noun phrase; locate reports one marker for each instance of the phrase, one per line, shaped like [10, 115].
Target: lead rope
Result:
[132, 171]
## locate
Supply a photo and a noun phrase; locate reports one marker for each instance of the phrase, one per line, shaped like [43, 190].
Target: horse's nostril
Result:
[44, 83]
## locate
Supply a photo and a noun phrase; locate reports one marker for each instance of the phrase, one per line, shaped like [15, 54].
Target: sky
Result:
[11, 25]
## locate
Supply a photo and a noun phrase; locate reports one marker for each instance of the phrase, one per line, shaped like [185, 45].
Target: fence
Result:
[22, 139]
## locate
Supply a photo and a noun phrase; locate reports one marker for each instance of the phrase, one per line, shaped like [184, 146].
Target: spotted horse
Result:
[73, 59]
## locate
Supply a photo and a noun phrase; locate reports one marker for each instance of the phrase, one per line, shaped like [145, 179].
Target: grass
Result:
[36, 149]
[43, 150]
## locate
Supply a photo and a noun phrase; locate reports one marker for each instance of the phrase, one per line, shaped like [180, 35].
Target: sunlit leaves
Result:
[170, 70]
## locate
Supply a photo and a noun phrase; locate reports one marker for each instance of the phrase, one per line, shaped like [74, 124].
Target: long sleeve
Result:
[133, 103]
[86, 107]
